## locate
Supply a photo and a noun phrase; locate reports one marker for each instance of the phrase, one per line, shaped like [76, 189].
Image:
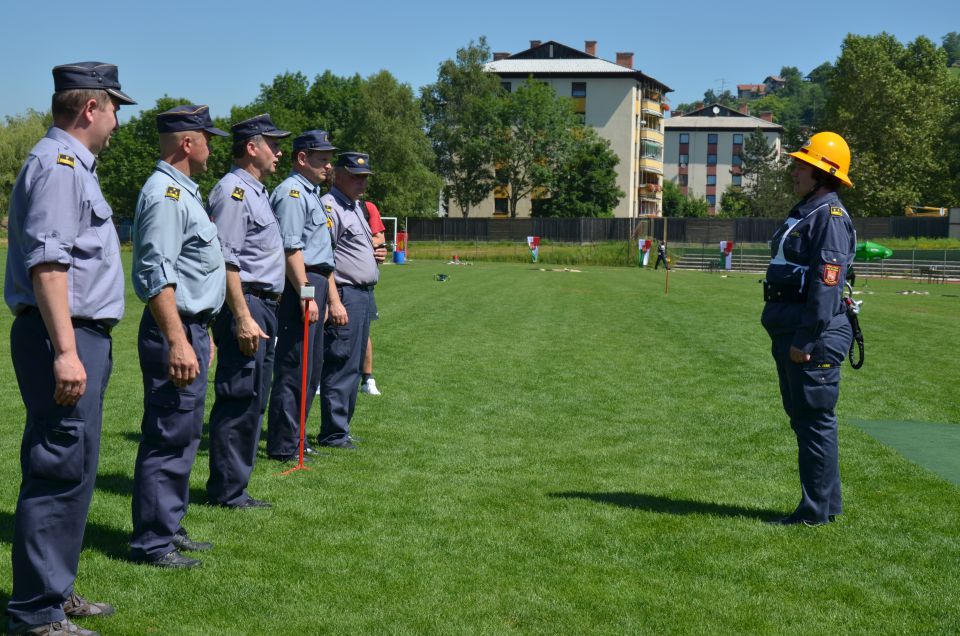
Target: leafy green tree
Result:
[677, 204]
[460, 110]
[767, 185]
[735, 203]
[387, 124]
[533, 141]
[586, 185]
[892, 103]
[17, 137]
[951, 46]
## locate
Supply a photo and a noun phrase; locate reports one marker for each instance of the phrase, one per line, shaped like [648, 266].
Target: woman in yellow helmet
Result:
[805, 317]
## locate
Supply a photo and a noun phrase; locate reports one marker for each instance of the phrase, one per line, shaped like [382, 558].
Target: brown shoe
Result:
[77, 606]
[60, 628]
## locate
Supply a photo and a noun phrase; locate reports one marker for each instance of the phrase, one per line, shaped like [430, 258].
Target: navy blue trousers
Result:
[810, 392]
[240, 399]
[58, 459]
[283, 419]
[170, 433]
[343, 349]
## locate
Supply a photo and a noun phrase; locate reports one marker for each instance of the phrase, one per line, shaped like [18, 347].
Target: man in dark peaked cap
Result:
[64, 283]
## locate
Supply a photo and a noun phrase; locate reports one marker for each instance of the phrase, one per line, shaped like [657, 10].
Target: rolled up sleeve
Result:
[291, 216]
[53, 222]
[159, 239]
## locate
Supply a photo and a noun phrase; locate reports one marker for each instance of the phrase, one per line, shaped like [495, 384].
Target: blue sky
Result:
[219, 52]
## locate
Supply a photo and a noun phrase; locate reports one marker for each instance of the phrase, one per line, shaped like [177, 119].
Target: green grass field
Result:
[557, 453]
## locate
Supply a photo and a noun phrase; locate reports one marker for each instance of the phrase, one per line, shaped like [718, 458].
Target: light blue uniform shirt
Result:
[303, 222]
[352, 240]
[248, 230]
[58, 215]
[175, 243]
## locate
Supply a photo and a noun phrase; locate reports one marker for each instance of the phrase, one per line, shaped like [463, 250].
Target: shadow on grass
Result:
[666, 505]
[112, 542]
[120, 484]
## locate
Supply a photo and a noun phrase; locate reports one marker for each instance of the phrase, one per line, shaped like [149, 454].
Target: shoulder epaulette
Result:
[835, 211]
[295, 194]
[238, 193]
[66, 160]
[173, 192]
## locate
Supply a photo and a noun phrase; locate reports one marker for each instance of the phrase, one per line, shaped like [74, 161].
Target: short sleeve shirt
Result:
[302, 220]
[248, 231]
[175, 243]
[352, 240]
[58, 215]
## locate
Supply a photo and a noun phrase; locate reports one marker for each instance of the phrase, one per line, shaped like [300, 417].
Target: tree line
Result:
[898, 107]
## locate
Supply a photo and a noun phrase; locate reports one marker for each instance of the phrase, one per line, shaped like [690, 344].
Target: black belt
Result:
[366, 287]
[103, 326]
[774, 293]
[203, 319]
[262, 293]
[319, 269]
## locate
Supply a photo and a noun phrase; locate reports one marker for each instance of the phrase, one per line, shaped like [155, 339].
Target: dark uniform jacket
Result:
[810, 254]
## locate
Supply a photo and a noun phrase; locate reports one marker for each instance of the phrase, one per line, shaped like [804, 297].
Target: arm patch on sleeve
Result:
[831, 275]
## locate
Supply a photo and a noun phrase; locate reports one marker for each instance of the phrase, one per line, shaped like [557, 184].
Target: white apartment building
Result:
[624, 105]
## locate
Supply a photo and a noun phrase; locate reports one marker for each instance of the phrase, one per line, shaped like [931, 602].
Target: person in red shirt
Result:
[367, 383]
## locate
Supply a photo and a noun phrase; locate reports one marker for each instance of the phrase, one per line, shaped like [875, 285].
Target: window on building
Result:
[651, 150]
[684, 160]
[506, 86]
[737, 179]
[578, 89]
[712, 200]
[738, 138]
[501, 206]
[711, 160]
[712, 179]
[681, 179]
[684, 138]
[736, 160]
[712, 138]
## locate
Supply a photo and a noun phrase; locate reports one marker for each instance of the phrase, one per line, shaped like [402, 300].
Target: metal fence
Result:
[679, 230]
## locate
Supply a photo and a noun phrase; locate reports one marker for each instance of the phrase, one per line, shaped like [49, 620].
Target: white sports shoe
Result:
[370, 386]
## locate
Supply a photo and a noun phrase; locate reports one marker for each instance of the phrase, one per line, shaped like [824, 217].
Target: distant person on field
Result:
[367, 382]
[662, 256]
[807, 322]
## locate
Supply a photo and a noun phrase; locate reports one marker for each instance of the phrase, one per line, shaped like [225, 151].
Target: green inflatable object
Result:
[867, 251]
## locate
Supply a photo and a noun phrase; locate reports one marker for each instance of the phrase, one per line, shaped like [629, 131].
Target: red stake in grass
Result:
[303, 384]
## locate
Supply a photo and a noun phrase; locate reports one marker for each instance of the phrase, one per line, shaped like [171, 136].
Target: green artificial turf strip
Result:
[934, 446]
[557, 453]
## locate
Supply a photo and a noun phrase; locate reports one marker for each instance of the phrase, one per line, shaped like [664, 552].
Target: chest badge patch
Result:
[836, 211]
[66, 160]
[295, 194]
[831, 275]
[173, 193]
[237, 193]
